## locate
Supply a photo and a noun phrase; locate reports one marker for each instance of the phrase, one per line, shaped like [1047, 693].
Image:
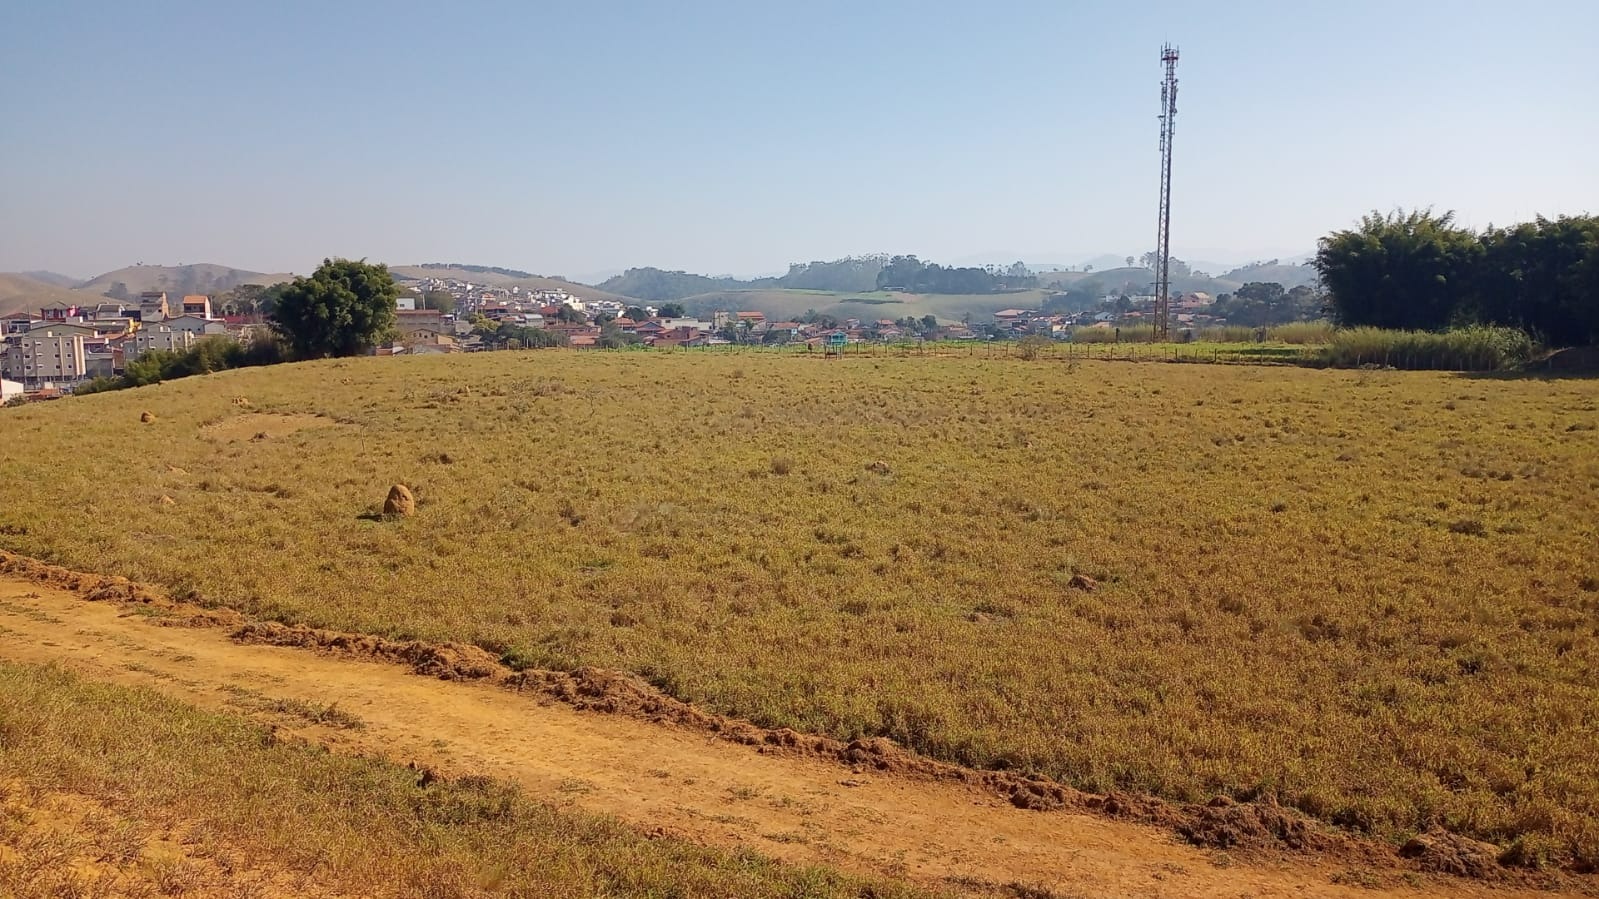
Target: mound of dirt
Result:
[147, 417]
[1224, 824]
[400, 502]
[1442, 852]
[97, 588]
[879, 467]
[446, 661]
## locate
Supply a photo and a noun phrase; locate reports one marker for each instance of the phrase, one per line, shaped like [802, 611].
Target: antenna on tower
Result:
[1168, 127]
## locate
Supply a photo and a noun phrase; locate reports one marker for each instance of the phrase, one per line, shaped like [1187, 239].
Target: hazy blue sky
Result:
[571, 138]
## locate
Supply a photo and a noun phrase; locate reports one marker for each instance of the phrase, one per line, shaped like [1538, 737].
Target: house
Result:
[197, 304]
[429, 343]
[102, 358]
[676, 337]
[58, 311]
[1010, 314]
[751, 318]
[784, 330]
[411, 322]
[196, 325]
[9, 389]
[153, 306]
[405, 304]
[16, 323]
[110, 311]
[157, 337]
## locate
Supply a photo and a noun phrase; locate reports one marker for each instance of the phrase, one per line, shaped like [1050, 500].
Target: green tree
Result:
[1542, 276]
[635, 314]
[442, 300]
[1404, 270]
[345, 308]
[672, 310]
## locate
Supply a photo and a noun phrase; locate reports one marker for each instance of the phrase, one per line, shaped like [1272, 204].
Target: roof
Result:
[788, 326]
[196, 298]
[759, 315]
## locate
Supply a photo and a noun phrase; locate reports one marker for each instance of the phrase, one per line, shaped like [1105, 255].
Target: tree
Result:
[1542, 276]
[929, 324]
[635, 314]
[1130, 262]
[345, 308]
[442, 300]
[570, 316]
[1404, 270]
[672, 310]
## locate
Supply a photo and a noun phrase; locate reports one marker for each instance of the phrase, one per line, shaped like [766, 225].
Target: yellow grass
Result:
[1370, 594]
[108, 791]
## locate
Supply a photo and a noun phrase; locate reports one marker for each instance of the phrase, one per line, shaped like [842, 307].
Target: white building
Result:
[9, 389]
[196, 325]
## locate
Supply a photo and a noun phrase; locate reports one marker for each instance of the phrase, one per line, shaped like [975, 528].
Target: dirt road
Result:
[663, 777]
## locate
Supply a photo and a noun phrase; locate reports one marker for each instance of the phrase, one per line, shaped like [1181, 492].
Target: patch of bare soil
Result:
[263, 426]
[663, 765]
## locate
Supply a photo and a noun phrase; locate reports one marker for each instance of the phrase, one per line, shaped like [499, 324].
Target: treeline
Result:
[207, 355]
[912, 275]
[1420, 271]
[851, 274]
[480, 269]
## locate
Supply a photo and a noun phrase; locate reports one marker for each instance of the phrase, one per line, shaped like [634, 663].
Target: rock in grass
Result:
[147, 417]
[879, 467]
[400, 503]
[1083, 582]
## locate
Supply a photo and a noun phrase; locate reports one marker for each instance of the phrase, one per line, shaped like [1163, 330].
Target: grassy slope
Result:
[19, 293]
[178, 280]
[785, 304]
[494, 279]
[1372, 594]
[147, 775]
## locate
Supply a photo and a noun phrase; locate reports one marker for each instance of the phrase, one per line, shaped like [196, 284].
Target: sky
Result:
[737, 137]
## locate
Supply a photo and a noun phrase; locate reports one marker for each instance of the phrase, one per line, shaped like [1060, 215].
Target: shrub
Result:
[1476, 348]
[1227, 334]
[1302, 333]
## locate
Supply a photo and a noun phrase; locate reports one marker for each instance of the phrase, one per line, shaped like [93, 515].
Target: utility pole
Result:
[1168, 127]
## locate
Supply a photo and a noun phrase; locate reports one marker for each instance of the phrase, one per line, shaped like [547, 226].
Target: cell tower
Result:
[1168, 127]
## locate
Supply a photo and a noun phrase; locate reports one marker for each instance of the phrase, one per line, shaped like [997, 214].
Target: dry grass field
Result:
[1373, 595]
[116, 792]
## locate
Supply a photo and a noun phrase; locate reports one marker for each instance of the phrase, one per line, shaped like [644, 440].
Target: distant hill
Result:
[21, 293]
[491, 276]
[659, 286]
[1289, 276]
[176, 280]
[54, 279]
[849, 275]
[784, 305]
